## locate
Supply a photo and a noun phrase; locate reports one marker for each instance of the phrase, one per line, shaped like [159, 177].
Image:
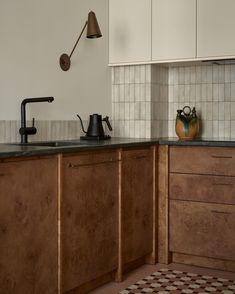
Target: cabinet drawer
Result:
[91, 158]
[136, 154]
[202, 229]
[215, 189]
[202, 160]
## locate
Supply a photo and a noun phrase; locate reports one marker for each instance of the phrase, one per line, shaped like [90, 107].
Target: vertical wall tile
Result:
[227, 91]
[221, 92]
[142, 74]
[198, 74]
[227, 129]
[122, 75]
[204, 74]
[209, 74]
[232, 92]
[215, 74]
[181, 76]
[232, 133]
[215, 108]
[137, 74]
[232, 110]
[192, 74]
[227, 73]
[127, 74]
[132, 74]
[121, 93]
[215, 92]
[148, 73]
[127, 92]
[221, 73]
[232, 73]
[227, 111]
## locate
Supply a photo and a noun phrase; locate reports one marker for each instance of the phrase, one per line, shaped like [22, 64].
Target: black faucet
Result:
[25, 131]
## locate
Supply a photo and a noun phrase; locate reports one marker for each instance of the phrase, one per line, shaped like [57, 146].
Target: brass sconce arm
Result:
[93, 31]
[78, 39]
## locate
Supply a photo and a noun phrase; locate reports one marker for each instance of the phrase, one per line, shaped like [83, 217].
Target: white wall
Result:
[33, 35]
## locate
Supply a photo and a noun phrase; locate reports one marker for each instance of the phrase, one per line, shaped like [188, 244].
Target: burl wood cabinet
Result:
[89, 218]
[137, 204]
[202, 206]
[28, 226]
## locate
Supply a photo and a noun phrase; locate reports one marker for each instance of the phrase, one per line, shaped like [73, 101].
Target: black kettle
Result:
[95, 128]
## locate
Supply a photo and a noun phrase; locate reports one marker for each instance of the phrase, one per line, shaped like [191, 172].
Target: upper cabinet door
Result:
[215, 28]
[173, 29]
[129, 31]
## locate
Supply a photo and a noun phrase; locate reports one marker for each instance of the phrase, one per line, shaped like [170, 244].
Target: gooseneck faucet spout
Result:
[25, 131]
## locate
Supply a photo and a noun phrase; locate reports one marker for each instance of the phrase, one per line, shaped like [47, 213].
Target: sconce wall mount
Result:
[93, 31]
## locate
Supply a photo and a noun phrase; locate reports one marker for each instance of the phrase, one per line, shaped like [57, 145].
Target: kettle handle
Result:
[81, 123]
[106, 119]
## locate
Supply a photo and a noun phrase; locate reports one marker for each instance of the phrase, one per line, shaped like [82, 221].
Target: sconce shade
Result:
[93, 30]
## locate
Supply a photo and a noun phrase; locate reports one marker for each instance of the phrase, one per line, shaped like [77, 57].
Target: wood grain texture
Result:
[202, 160]
[202, 229]
[214, 263]
[163, 250]
[28, 227]
[89, 217]
[211, 189]
[137, 203]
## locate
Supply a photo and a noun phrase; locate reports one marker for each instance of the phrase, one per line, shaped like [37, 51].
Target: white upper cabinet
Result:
[129, 31]
[173, 29]
[215, 28]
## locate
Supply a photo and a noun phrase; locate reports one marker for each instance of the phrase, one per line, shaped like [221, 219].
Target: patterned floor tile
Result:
[166, 281]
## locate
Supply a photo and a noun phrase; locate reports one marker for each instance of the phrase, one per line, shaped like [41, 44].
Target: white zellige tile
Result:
[227, 129]
[233, 129]
[232, 110]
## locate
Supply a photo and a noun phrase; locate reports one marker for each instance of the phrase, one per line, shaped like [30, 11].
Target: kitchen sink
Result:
[52, 143]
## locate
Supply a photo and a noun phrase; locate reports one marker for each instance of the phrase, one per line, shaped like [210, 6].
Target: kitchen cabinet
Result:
[89, 215]
[129, 31]
[28, 226]
[173, 29]
[215, 28]
[201, 206]
[137, 204]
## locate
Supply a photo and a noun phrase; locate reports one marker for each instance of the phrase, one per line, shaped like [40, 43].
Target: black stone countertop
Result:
[16, 150]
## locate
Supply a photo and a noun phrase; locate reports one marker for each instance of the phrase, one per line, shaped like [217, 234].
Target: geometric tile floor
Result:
[166, 281]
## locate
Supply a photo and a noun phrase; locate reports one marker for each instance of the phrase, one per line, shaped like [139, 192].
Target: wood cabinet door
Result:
[202, 229]
[173, 29]
[215, 28]
[28, 227]
[129, 31]
[89, 217]
[137, 204]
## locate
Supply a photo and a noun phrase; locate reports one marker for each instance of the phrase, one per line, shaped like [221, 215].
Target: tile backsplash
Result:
[46, 130]
[145, 99]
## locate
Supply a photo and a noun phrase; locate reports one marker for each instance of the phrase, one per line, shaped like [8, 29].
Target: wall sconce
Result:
[93, 31]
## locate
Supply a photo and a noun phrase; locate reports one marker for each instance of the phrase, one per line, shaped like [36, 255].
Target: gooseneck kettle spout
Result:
[81, 124]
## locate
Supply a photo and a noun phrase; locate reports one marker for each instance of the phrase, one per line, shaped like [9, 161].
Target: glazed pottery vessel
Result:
[187, 124]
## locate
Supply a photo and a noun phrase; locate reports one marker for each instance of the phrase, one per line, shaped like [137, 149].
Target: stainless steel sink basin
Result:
[52, 143]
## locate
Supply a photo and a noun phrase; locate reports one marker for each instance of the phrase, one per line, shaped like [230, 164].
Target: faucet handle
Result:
[33, 122]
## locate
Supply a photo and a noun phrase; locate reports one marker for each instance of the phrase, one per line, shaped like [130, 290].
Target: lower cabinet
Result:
[28, 226]
[201, 206]
[137, 204]
[89, 229]
[202, 229]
